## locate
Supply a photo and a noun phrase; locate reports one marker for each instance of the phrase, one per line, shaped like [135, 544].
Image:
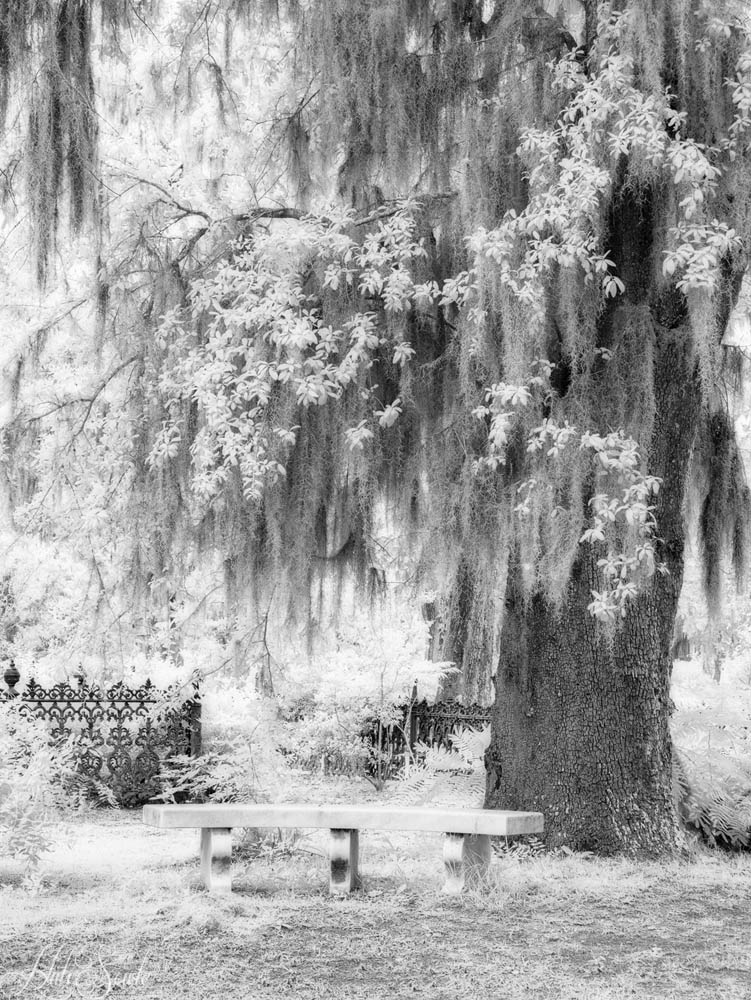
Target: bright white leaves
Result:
[551, 438]
[568, 187]
[697, 247]
[388, 416]
[617, 458]
[571, 169]
[622, 514]
[426, 294]
[166, 446]
[457, 290]
[403, 352]
[697, 252]
[498, 398]
[717, 31]
[516, 395]
[357, 436]
[741, 97]
[266, 350]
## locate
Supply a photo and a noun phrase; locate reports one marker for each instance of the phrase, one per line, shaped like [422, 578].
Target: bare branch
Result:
[44, 328]
[289, 212]
[190, 244]
[90, 400]
[268, 213]
[382, 212]
[185, 209]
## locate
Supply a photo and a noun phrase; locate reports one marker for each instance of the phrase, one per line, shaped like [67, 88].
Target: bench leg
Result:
[216, 859]
[466, 857]
[344, 850]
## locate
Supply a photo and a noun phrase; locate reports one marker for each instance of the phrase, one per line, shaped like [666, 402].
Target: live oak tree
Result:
[470, 295]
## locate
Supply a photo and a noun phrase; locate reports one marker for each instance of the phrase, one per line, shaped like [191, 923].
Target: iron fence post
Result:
[194, 720]
[411, 736]
[11, 678]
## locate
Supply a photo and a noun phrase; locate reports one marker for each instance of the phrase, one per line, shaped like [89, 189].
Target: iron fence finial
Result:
[11, 678]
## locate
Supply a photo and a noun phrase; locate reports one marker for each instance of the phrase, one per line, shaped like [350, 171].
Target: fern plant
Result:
[711, 730]
[442, 776]
[245, 767]
[237, 771]
[525, 848]
[713, 793]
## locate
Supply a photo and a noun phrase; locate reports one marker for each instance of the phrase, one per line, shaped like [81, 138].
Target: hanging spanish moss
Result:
[46, 73]
[451, 104]
[445, 110]
[723, 519]
[16, 20]
[455, 106]
[62, 129]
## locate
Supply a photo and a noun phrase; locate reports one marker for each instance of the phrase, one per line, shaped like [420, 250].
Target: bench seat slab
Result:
[344, 855]
[216, 859]
[497, 822]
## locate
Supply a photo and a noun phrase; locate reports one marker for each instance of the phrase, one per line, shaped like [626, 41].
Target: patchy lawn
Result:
[120, 911]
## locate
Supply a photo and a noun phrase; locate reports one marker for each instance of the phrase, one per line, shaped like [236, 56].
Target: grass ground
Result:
[119, 911]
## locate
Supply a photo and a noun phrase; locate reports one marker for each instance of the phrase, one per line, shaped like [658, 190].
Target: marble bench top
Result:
[226, 815]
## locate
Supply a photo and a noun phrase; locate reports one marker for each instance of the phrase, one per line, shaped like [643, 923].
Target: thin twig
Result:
[102, 386]
[186, 209]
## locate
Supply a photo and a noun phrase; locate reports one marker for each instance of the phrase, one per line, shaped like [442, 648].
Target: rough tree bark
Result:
[580, 726]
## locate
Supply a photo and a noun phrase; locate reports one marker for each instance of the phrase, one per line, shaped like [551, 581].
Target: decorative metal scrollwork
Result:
[122, 735]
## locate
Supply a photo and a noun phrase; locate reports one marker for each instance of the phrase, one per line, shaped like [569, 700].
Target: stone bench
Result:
[466, 844]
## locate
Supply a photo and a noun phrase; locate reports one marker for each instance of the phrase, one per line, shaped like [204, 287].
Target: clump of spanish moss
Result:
[62, 138]
[725, 511]
[453, 104]
[46, 73]
[425, 99]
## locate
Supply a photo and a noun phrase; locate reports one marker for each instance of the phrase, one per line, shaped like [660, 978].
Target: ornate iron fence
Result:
[122, 733]
[420, 723]
[434, 724]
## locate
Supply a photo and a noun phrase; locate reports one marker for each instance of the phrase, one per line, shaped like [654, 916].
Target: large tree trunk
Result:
[580, 724]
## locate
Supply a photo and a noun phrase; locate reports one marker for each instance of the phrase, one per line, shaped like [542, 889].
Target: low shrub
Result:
[332, 743]
[39, 783]
[240, 760]
[336, 700]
